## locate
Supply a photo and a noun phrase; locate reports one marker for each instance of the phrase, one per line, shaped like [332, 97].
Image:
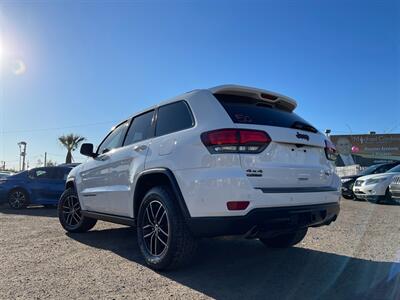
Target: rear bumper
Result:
[266, 220]
[206, 192]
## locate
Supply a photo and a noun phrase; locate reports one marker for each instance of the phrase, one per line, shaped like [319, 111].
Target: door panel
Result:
[94, 183]
[44, 185]
[107, 180]
[96, 172]
[125, 163]
[46, 190]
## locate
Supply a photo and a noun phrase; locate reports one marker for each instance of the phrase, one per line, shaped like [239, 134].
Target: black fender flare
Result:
[70, 183]
[173, 183]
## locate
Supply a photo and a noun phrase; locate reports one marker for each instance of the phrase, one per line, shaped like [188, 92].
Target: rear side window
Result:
[173, 117]
[388, 167]
[41, 173]
[61, 173]
[140, 128]
[247, 110]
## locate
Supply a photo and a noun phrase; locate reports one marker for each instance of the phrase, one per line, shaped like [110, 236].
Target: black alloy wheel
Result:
[17, 199]
[155, 228]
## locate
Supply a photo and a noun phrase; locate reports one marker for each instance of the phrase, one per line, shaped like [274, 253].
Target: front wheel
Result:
[18, 198]
[285, 240]
[162, 233]
[70, 215]
[388, 196]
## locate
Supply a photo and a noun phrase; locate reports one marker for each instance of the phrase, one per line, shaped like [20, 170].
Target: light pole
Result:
[327, 132]
[22, 153]
[19, 166]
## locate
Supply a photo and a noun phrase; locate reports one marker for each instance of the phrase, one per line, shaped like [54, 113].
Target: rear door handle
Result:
[139, 148]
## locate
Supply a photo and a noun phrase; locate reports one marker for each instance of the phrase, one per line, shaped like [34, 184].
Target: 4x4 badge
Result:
[302, 136]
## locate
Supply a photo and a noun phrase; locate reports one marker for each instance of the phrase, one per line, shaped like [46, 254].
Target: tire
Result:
[388, 197]
[163, 236]
[347, 197]
[285, 240]
[18, 198]
[69, 213]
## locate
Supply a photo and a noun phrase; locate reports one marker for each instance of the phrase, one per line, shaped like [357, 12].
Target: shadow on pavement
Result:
[244, 269]
[35, 211]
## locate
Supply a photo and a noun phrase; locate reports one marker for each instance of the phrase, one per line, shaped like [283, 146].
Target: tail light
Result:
[330, 150]
[235, 140]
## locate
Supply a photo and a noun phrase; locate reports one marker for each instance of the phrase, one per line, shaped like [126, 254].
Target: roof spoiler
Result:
[263, 95]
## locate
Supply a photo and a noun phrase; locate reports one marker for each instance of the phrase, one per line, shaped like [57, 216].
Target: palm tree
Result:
[71, 142]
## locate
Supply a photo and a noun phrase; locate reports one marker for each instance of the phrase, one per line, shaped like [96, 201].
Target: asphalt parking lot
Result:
[356, 258]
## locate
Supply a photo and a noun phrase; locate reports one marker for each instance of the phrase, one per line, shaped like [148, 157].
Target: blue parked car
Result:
[36, 186]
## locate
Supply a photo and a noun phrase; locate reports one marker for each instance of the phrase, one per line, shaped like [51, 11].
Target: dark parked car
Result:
[348, 181]
[36, 186]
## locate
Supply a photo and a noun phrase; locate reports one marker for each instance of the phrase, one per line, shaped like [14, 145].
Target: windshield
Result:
[395, 169]
[369, 170]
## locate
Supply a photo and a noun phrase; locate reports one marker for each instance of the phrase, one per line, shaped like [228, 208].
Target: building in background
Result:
[366, 149]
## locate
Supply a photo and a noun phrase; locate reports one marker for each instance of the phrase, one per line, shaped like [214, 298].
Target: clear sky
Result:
[82, 66]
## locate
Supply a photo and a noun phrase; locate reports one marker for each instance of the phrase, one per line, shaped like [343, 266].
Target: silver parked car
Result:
[394, 189]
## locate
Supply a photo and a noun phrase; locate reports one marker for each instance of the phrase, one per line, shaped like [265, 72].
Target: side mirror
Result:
[87, 150]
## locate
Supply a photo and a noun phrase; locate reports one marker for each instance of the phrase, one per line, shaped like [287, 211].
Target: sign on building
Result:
[366, 149]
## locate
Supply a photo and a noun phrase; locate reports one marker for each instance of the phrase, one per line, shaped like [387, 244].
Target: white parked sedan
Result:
[375, 188]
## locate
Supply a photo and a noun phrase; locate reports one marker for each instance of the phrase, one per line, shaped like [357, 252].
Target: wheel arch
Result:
[24, 189]
[70, 184]
[150, 178]
[18, 187]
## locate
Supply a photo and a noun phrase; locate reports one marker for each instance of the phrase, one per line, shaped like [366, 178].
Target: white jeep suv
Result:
[229, 160]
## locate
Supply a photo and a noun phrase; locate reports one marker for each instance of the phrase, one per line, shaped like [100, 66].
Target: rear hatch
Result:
[295, 158]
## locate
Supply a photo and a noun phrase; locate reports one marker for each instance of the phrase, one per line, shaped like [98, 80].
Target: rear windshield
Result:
[247, 110]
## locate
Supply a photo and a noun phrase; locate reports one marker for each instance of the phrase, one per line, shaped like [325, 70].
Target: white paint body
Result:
[208, 181]
[368, 188]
